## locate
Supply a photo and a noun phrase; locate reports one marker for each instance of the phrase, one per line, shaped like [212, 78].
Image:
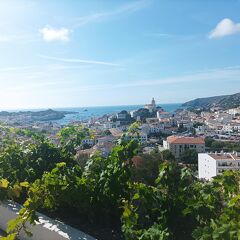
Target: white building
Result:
[223, 117]
[142, 137]
[201, 129]
[152, 128]
[133, 113]
[156, 128]
[152, 106]
[234, 111]
[227, 128]
[213, 164]
[185, 124]
[109, 125]
[88, 141]
[236, 127]
[161, 115]
[167, 122]
[231, 127]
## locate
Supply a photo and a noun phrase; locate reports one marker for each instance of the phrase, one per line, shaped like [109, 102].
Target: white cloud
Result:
[127, 8]
[77, 60]
[224, 28]
[50, 34]
[212, 75]
[62, 34]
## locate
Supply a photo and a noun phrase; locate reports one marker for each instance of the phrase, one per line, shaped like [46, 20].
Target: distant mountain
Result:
[224, 101]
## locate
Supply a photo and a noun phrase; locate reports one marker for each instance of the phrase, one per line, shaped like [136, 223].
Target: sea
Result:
[86, 113]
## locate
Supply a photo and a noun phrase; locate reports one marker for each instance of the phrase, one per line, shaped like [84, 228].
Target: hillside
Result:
[224, 101]
[29, 116]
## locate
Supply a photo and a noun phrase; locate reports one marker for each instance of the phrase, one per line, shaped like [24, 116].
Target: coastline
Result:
[95, 112]
[64, 116]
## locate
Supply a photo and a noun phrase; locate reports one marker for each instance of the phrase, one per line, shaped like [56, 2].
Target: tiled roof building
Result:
[178, 144]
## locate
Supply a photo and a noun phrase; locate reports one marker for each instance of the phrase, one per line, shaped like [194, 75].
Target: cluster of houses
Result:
[154, 125]
[209, 164]
[160, 130]
[221, 124]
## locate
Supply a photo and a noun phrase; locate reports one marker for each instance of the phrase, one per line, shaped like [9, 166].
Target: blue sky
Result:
[94, 53]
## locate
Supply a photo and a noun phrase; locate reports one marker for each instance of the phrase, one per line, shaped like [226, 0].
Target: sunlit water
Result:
[84, 113]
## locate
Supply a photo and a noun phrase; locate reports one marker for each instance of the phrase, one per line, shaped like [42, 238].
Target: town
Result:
[179, 132]
[119, 120]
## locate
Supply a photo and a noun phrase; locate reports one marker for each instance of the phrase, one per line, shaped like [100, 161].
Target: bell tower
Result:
[153, 103]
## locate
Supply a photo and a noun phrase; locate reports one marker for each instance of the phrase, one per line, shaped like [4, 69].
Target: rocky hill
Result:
[224, 101]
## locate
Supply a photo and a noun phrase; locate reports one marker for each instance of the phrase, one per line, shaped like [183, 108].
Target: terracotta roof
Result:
[86, 151]
[115, 132]
[160, 112]
[164, 120]
[185, 140]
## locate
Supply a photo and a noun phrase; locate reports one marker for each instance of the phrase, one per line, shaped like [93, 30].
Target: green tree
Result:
[146, 168]
[215, 206]
[189, 156]
[168, 155]
[157, 212]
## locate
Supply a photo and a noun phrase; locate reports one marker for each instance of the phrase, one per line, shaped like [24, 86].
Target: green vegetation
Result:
[146, 168]
[181, 128]
[225, 102]
[180, 207]
[189, 156]
[167, 155]
[214, 145]
[149, 196]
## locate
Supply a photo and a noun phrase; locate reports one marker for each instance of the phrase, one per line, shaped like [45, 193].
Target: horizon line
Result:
[98, 106]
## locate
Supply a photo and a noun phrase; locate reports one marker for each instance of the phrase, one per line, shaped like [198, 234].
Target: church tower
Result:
[153, 103]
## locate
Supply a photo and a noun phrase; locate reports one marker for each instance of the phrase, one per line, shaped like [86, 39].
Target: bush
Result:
[189, 156]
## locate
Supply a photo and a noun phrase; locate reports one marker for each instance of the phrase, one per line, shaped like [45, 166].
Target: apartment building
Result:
[213, 164]
[178, 144]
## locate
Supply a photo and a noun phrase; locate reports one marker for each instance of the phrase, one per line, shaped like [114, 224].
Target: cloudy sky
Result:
[94, 53]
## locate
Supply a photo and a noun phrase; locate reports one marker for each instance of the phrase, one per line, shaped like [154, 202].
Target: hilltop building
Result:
[152, 106]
